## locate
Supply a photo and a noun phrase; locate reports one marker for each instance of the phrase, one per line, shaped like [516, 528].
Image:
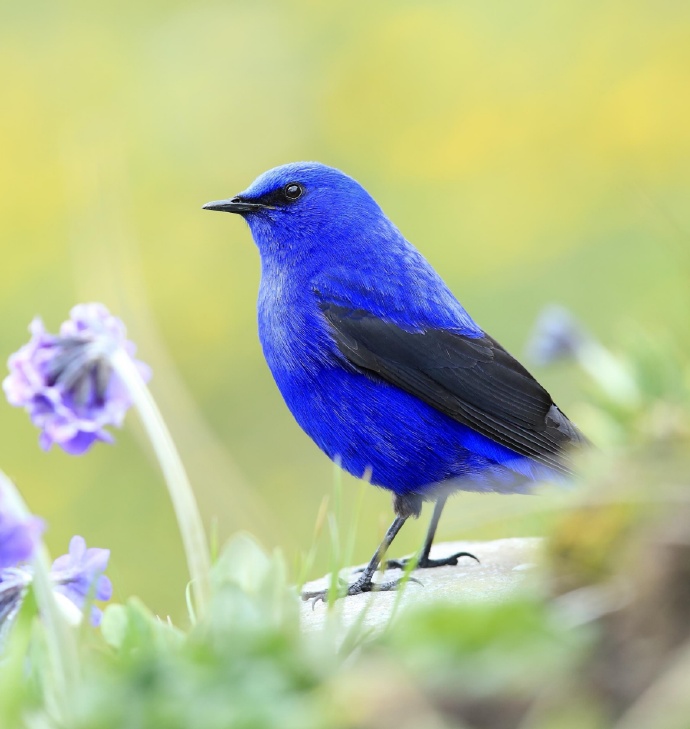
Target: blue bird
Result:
[380, 364]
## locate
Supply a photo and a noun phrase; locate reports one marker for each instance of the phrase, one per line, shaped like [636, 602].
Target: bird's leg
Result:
[425, 562]
[364, 582]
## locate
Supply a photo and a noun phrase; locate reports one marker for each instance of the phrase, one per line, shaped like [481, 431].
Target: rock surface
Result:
[503, 566]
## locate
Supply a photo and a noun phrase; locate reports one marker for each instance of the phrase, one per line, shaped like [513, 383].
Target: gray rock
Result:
[504, 565]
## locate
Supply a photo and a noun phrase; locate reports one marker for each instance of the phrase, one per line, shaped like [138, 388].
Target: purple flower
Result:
[66, 382]
[18, 538]
[79, 575]
[19, 534]
[76, 577]
[556, 335]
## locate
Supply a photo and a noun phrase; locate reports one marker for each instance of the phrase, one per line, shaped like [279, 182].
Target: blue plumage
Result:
[377, 360]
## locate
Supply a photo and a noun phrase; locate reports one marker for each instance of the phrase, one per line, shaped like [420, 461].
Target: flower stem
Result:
[180, 490]
[610, 373]
[60, 641]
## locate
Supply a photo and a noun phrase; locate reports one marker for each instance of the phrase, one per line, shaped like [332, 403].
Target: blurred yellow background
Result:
[533, 151]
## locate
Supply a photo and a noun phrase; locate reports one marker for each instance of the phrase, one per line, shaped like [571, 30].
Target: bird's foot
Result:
[428, 563]
[356, 588]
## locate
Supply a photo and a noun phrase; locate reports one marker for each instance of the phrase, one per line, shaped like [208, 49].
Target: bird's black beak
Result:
[233, 205]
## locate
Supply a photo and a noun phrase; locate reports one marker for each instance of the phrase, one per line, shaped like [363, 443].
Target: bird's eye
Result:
[293, 190]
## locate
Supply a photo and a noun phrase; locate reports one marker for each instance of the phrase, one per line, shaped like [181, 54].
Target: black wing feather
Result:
[471, 379]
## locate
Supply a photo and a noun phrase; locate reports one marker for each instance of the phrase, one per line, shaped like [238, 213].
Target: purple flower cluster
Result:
[79, 576]
[66, 382]
[557, 335]
[18, 535]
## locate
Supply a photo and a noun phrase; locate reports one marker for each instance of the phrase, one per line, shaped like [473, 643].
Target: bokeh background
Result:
[535, 152]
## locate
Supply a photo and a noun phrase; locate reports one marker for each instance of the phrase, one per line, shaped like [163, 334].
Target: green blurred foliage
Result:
[534, 152]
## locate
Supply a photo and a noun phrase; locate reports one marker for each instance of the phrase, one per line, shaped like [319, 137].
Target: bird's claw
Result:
[450, 561]
[322, 595]
[428, 563]
[357, 588]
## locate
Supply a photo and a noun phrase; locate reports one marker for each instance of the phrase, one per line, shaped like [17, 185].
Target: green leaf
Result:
[114, 625]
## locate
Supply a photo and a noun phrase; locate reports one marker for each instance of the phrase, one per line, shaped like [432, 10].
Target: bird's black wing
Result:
[471, 379]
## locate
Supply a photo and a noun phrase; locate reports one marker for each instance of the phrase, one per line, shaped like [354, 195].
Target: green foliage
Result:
[247, 665]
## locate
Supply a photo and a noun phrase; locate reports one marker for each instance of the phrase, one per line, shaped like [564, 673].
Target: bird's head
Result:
[305, 208]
